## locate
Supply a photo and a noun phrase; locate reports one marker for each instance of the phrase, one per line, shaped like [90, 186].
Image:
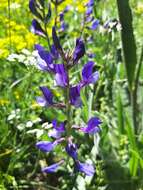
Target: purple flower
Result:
[75, 96]
[61, 76]
[88, 76]
[71, 149]
[46, 57]
[46, 146]
[52, 168]
[36, 28]
[79, 50]
[60, 127]
[90, 3]
[92, 126]
[54, 52]
[89, 11]
[47, 99]
[88, 169]
[57, 130]
[95, 24]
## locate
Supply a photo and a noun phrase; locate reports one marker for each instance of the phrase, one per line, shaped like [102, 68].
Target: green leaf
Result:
[128, 40]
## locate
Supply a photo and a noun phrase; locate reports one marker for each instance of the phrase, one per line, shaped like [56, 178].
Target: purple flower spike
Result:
[46, 146]
[87, 76]
[36, 28]
[79, 50]
[92, 126]
[52, 168]
[61, 76]
[56, 40]
[88, 169]
[75, 96]
[71, 149]
[95, 24]
[47, 99]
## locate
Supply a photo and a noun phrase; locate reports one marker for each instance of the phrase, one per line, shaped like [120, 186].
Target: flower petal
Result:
[46, 146]
[56, 40]
[92, 126]
[52, 168]
[88, 169]
[71, 149]
[47, 95]
[75, 96]
[61, 76]
[36, 28]
[95, 24]
[79, 50]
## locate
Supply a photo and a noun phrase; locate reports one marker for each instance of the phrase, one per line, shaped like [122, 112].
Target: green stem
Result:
[45, 28]
[68, 106]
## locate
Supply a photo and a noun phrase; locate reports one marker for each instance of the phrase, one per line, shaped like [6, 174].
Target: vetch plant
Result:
[59, 63]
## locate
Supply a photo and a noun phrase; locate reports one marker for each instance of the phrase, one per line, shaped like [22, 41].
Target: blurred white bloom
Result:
[20, 127]
[29, 124]
[37, 120]
[10, 117]
[15, 5]
[46, 125]
[38, 132]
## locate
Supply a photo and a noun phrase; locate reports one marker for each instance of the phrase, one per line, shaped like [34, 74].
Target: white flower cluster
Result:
[26, 57]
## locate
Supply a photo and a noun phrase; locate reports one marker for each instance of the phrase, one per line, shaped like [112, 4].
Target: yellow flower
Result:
[3, 102]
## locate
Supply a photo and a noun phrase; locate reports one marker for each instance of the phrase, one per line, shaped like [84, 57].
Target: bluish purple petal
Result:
[92, 126]
[52, 168]
[41, 101]
[60, 127]
[79, 50]
[89, 11]
[36, 28]
[75, 96]
[61, 76]
[46, 146]
[88, 169]
[90, 3]
[54, 52]
[47, 95]
[33, 8]
[87, 70]
[55, 134]
[95, 24]
[71, 149]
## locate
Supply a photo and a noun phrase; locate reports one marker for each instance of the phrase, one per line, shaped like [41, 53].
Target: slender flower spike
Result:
[53, 168]
[33, 8]
[47, 99]
[79, 50]
[92, 126]
[75, 96]
[46, 146]
[71, 149]
[36, 28]
[88, 169]
[88, 76]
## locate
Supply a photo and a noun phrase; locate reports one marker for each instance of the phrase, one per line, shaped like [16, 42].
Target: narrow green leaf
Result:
[128, 40]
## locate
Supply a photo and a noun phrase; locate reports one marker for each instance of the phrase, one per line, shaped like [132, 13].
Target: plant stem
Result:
[67, 103]
[45, 28]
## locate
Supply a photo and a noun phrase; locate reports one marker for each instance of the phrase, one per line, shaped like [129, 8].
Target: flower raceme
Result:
[59, 63]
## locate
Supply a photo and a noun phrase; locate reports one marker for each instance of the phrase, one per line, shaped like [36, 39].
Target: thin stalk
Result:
[134, 94]
[45, 28]
[56, 13]
[67, 103]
